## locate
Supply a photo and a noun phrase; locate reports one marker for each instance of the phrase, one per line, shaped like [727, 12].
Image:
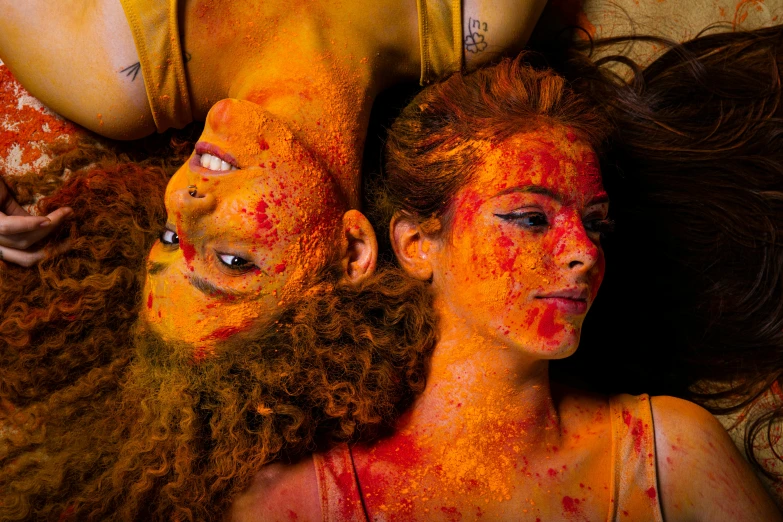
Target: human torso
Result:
[600, 468]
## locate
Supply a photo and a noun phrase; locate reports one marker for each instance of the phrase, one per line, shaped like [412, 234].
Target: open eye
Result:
[169, 237]
[599, 225]
[526, 219]
[235, 262]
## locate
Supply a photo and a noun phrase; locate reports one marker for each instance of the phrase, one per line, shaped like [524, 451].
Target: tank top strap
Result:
[341, 499]
[155, 29]
[440, 38]
[634, 482]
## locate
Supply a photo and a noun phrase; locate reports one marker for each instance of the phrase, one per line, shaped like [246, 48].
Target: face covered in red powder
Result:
[251, 217]
[521, 261]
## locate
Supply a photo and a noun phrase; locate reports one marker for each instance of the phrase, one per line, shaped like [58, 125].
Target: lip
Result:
[203, 147]
[572, 301]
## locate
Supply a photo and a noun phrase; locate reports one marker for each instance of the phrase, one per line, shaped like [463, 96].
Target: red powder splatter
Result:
[261, 218]
[452, 512]
[188, 251]
[552, 472]
[637, 432]
[199, 354]
[652, 493]
[280, 268]
[505, 242]
[571, 505]
[547, 327]
[226, 332]
[34, 129]
[531, 317]
[262, 144]
[149, 301]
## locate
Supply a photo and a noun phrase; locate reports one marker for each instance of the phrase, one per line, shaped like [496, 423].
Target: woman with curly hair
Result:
[496, 201]
[102, 419]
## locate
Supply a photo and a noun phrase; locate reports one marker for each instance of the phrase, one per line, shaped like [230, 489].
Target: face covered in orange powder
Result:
[251, 218]
[521, 260]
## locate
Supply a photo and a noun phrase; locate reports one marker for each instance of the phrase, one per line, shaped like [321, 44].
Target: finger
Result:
[10, 225]
[30, 258]
[12, 208]
[58, 216]
[21, 257]
[25, 240]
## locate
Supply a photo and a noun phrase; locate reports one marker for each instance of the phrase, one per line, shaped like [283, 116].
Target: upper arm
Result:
[280, 492]
[701, 474]
[70, 55]
[493, 28]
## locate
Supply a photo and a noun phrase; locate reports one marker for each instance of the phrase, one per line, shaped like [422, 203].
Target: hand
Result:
[20, 231]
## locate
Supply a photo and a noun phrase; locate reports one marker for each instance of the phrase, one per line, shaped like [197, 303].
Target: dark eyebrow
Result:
[209, 289]
[156, 268]
[537, 189]
[534, 189]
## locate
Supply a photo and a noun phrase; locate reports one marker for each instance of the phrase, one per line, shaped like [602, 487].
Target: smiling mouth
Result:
[211, 157]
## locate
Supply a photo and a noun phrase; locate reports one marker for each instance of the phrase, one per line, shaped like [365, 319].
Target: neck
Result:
[318, 70]
[478, 386]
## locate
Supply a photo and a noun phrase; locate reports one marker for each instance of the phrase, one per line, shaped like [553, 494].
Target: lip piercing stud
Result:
[192, 190]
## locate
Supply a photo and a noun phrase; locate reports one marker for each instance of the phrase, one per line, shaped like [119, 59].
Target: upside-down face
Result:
[521, 261]
[251, 217]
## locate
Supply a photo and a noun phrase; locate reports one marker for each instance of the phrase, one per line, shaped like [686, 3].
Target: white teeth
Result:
[208, 161]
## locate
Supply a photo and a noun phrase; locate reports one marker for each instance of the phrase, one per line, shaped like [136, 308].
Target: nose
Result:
[575, 249]
[226, 115]
[192, 207]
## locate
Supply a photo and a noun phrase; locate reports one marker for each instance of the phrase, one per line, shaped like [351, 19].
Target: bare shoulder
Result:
[701, 475]
[281, 492]
[494, 28]
[79, 59]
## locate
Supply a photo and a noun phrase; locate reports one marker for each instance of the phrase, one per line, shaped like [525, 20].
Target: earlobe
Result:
[412, 247]
[360, 247]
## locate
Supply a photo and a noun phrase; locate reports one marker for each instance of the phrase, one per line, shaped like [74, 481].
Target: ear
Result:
[412, 247]
[359, 247]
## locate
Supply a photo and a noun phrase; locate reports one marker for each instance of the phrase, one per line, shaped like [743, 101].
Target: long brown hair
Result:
[101, 420]
[697, 195]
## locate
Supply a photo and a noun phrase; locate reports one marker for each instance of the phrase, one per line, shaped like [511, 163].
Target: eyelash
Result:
[601, 226]
[174, 240]
[244, 267]
[170, 239]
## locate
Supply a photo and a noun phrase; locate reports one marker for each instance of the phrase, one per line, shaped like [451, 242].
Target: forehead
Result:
[554, 158]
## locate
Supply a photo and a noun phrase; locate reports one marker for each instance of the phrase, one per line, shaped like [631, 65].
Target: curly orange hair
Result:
[103, 420]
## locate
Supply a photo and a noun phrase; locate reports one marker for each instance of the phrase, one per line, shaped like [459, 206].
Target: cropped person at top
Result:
[266, 192]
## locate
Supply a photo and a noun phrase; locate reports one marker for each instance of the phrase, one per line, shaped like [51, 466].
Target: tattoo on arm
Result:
[475, 41]
[132, 70]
